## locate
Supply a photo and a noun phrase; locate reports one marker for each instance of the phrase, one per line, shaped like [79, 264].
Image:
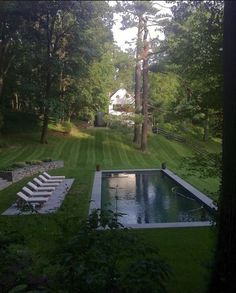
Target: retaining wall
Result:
[28, 171]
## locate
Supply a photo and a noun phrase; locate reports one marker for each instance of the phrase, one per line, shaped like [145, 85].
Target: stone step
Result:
[4, 183]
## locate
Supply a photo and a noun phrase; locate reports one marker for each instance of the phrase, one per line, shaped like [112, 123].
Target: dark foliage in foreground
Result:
[105, 257]
[16, 270]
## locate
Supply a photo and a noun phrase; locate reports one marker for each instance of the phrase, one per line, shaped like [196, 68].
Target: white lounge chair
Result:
[36, 193]
[41, 184]
[32, 202]
[40, 188]
[48, 176]
[45, 180]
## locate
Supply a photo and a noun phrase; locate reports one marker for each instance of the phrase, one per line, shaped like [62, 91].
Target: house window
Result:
[123, 108]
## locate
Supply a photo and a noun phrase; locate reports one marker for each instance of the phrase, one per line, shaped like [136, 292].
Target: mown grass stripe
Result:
[107, 142]
[37, 154]
[58, 148]
[117, 158]
[90, 154]
[123, 153]
[140, 158]
[66, 152]
[99, 155]
[21, 155]
[82, 161]
[108, 150]
[76, 153]
[8, 157]
[72, 154]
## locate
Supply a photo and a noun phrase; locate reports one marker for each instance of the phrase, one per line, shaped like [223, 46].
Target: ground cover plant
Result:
[188, 251]
[17, 165]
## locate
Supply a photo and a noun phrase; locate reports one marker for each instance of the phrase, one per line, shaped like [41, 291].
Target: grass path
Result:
[187, 250]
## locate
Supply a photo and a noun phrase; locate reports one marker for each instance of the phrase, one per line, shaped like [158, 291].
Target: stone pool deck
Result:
[51, 206]
[170, 225]
[202, 197]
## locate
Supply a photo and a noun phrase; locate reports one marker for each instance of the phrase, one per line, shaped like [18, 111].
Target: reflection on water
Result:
[150, 197]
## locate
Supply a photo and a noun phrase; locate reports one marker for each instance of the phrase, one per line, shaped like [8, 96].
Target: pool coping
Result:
[95, 202]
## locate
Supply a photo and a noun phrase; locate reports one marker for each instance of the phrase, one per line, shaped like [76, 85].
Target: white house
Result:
[121, 102]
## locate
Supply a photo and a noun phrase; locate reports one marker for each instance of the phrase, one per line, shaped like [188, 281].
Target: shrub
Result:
[105, 257]
[35, 162]
[25, 164]
[47, 160]
[16, 270]
[170, 127]
[122, 123]
[19, 165]
[67, 126]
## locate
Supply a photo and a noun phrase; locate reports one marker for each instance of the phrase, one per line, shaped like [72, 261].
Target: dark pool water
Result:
[150, 197]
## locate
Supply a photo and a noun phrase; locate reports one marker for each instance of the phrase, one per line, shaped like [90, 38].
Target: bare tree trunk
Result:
[224, 273]
[44, 132]
[206, 126]
[1, 87]
[138, 75]
[144, 145]
[1, 104]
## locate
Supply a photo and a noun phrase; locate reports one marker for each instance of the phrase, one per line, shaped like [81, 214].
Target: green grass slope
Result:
[187, 250]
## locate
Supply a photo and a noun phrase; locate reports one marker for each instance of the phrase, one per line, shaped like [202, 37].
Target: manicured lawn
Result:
[187, 250]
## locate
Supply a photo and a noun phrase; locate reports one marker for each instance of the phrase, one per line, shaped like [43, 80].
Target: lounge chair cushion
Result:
[36, 193]
[40, 188]
[43, 179]
[45, 184]
[48, 176]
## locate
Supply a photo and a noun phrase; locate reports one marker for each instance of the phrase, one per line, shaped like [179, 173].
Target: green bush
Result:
[35, 162]
[122, 123]
[46, 160]
[170, 127]
[19, 165]
[25, 164]
[16, 270]
[67, 126]
[102, 256]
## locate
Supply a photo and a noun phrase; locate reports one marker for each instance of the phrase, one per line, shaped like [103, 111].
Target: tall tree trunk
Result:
[1, 102]
[206, 126]
[224, 273]
[138, 75]
[144, 145]
[44, 132]
[1, 87]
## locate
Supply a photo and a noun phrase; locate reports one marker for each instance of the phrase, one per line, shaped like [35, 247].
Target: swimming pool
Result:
[151, 198]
